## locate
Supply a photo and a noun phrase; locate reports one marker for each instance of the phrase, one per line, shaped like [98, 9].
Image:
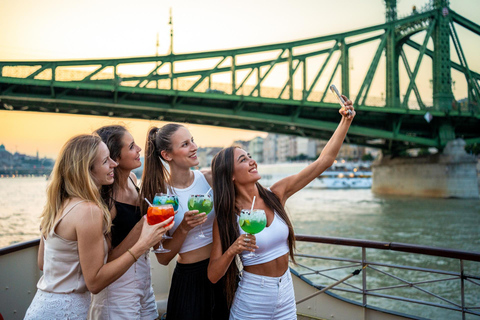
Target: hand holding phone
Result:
[339, 97]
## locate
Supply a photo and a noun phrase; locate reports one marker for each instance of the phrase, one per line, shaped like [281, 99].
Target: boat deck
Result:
[454, 281]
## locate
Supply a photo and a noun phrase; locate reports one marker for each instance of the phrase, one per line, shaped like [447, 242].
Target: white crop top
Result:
[272, 243]
[199, 186]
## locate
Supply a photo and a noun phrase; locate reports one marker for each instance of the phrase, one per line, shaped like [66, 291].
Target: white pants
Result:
[261, 297]
[129, 297]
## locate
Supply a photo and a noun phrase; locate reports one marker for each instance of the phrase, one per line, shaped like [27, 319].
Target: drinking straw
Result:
[151, 205]
[253, 202]
[208, 191]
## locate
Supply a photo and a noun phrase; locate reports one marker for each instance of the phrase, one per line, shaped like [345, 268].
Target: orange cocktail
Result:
[157, 214]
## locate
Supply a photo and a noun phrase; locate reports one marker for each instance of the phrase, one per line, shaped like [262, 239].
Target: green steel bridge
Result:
[267, 88]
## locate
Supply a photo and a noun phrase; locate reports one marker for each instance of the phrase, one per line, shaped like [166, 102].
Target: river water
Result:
[356, 214]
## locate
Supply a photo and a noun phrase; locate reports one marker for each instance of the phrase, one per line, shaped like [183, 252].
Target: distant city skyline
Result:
[13, 164]
[47, 133]
[37, 153]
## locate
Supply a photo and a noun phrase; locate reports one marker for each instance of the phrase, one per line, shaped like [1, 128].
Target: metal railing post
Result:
[462, 288]
[364, 282]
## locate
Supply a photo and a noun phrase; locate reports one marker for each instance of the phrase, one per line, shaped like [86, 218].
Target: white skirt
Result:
[130, 297]
[262, 297]
[48, 305]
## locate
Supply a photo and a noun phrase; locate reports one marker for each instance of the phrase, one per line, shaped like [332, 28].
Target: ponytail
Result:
[156, 177]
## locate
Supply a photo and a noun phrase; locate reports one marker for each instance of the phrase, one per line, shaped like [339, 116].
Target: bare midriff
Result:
[274, 268]
[196, 255]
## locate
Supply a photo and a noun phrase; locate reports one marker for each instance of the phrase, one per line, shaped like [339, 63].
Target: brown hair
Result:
[156, 177]
[226, 212]
[112, 136]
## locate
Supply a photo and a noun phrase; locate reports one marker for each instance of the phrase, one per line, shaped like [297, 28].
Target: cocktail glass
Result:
[163, 198]
[202, 203]
[157, 214]
[252, 222]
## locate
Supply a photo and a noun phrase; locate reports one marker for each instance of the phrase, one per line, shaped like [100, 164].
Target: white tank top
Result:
[62, 272]
[199, 186]
[272, 242]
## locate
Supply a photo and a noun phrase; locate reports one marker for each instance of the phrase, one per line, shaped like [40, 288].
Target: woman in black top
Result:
[131, 296]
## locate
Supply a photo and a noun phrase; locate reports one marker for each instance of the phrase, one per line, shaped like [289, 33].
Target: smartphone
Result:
[339, 97]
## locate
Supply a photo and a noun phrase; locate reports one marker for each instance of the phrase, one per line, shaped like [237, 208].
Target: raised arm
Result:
[288, 186]
[89, 230]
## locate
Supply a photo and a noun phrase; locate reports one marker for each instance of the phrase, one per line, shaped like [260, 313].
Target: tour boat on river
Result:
[353, 284]
[344, 175]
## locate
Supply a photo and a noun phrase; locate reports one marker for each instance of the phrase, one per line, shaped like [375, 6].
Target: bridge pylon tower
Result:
[392, 54]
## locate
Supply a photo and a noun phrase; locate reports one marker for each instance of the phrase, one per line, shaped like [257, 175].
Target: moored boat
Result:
[339, 176]
[359, 296]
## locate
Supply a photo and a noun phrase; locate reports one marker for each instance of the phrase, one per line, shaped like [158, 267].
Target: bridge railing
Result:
[281, 88]
[254, 71]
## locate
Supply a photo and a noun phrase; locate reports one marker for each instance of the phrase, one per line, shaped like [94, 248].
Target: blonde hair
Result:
[72, 177]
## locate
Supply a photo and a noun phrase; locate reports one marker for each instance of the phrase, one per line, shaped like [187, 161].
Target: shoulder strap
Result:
[134, 184]
[67, 212]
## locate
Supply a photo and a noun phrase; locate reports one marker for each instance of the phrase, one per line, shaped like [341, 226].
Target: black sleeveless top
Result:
[127, 217]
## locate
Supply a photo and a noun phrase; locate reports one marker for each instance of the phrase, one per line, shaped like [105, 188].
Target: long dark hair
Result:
[156, 177]
[112, 136]
[226, 212]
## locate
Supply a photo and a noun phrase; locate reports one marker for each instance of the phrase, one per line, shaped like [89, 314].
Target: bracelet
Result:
[132, 254]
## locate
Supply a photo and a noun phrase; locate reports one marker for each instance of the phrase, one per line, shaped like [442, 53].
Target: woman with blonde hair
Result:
[75, 220]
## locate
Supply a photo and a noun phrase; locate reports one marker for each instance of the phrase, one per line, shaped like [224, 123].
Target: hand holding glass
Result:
[202, 203]
[163, 198]
[157, 214]
[252, 222]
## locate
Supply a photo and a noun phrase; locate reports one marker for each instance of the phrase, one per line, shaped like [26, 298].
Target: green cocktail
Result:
[252, 222]
[202, 203]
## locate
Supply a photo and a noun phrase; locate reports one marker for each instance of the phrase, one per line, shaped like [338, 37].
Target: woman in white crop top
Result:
[265, 290]
[73, 249]
[192, 296]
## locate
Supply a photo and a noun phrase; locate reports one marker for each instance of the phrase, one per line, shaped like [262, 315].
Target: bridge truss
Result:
[280, 88]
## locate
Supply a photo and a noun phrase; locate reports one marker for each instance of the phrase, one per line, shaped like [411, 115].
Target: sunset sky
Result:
[88, 29]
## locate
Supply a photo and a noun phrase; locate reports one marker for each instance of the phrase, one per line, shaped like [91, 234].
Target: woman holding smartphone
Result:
[265, 290]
